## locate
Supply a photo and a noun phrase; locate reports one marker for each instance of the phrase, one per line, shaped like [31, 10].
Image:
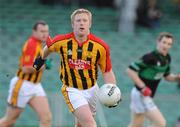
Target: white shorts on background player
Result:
[27, 91]
[140, 103]
[77, 98]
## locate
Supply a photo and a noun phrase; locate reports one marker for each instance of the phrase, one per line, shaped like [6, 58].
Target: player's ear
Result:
[34, 32]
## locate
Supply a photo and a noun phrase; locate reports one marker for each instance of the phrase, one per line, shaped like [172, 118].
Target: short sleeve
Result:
[29, 53]
[143, 62]
[105, 59]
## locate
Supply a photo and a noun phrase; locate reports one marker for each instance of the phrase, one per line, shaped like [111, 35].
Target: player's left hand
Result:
[48, 64]
[146, 91]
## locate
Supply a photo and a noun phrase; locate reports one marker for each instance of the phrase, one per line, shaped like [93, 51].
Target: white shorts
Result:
[141, 104]
[76, 98]
[21, 91]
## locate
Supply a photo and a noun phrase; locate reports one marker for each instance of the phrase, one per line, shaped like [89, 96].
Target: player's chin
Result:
[44, 39]
[81, 34]
[165, 52]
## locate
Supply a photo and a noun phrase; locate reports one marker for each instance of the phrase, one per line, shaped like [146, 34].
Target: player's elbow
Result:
[128, 71]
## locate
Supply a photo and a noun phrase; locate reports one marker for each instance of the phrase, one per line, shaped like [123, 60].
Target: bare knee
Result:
[138, 122]
[86, 123]
[4, 122]
[162, 123]
[46, 118]
[77, 125]
[91, 123]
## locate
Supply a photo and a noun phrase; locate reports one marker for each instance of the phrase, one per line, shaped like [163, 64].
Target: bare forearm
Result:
[173, 78]
[134, 76]
[28, 70]
[109, 77]
[46, 52]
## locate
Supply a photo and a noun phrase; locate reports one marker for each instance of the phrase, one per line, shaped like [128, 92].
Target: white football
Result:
[109, 95]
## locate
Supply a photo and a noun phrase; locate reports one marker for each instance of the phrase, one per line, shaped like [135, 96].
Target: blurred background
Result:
[130, 27]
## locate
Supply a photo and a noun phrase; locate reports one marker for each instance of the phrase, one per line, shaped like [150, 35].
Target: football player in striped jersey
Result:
[81, 53]
[25, 87]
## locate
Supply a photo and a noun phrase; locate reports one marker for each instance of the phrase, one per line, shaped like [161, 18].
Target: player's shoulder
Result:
[150, 54]
[149, 58]
[31, 42]
[61, 37]
[98, 40]
[58, 38]
[153, 57]
[32, 39]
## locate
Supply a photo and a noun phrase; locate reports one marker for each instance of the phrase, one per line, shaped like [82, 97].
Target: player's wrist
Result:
[177, 78]
[140, 87]
[39, 62]
[146, 91]
[43, 59]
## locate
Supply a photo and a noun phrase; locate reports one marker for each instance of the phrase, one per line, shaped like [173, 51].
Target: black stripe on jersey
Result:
[97, 58]
[69, 45]
[18, 73]
[90, 48]
[79, 52]
[66, 76]
[61, 75]
[71, 70]
[37, 75]
[23, 76]
[30, 76]
[83, 79]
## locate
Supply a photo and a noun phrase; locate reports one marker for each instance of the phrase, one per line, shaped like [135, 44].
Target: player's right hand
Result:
[38, 63]
[146, 91]
[115, 105]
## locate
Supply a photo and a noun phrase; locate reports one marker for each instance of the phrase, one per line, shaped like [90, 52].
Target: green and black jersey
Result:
[151, 68]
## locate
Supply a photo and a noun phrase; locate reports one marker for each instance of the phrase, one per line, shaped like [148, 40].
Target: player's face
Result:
[42, 32]
[81, 24]
[164, 45]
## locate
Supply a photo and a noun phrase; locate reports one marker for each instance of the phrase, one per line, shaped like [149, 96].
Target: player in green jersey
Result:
[146, 73]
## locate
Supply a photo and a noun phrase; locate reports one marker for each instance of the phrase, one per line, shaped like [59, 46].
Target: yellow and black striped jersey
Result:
[32, 49]
[80, 61]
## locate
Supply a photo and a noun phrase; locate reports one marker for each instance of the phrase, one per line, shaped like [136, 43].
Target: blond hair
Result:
[80, 11]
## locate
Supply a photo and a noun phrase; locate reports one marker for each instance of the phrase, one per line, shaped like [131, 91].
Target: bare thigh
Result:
[84, 116]
[12, 113]
[40, 105]
[77, 124]
[156, 117]
[137, 120]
